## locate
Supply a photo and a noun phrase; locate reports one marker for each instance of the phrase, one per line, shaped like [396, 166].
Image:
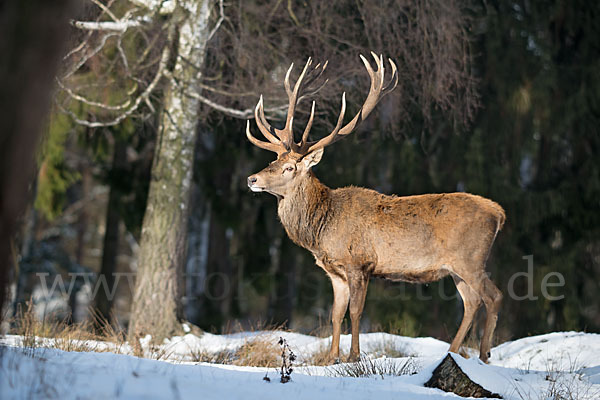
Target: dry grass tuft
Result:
[98, 335]
[217, 357]
[84, 336]
[320, 357]
[259, 351]
[367, 367]
[387, 348]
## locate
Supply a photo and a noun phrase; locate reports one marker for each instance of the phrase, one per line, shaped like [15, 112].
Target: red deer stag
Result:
[356, 233]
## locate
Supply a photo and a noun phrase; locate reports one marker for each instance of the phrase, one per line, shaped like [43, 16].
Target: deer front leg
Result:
[341, 294]
[358, 280]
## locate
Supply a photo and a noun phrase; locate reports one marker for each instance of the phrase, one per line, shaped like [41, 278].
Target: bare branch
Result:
[111, 26]
[219, 22]
[232, 112]
[123, 56]
[78, 47]
[86, 57]
[147, 51]
[84, 42]
[227, 93]
[105, 9]
[141, 98]
[241, 114]
[91, 102]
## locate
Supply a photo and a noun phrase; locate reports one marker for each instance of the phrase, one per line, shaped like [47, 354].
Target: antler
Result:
[376, 93]
[282, 140]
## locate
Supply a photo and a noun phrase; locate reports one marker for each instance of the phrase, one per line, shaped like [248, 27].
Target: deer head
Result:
[294, 160]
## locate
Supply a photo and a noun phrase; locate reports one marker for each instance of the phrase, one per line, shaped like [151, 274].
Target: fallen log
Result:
[449, 377]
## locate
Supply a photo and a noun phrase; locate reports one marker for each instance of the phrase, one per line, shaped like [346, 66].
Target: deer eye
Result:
[289, 168]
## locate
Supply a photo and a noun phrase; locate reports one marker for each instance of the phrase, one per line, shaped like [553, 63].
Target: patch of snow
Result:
[567, 362]
[569, 351]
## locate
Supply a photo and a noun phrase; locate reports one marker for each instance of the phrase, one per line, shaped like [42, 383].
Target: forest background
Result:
[500, 99]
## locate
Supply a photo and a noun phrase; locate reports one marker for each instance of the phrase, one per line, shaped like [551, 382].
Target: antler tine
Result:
[376, 76]
[281, 140]
[287, 134]
[276, 148]
[340, 117]
[302, 144]
[393, 81]
[332, 137]
[263, 125]
[313, 75]
[376, 92]
[286, 81]
[369, 69]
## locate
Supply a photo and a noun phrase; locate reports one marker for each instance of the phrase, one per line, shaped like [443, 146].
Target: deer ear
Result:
[312, 159]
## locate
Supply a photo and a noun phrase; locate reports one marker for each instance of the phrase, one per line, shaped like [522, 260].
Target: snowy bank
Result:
[538, 367]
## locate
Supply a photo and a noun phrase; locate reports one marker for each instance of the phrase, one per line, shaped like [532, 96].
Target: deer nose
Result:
[251, 180]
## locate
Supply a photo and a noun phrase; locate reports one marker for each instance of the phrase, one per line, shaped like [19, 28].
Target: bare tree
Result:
[168, 64]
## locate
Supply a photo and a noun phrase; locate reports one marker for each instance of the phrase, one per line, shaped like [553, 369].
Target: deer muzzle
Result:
[252, 179]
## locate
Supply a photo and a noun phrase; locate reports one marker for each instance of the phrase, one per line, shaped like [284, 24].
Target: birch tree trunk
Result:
[157, 303]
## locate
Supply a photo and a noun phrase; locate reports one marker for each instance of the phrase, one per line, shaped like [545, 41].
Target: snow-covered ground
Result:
[553, 366]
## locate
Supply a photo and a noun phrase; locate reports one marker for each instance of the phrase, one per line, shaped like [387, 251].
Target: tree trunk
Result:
[32, 35]
[110, 251]
[157, 307]
[197, 255]
[81, 227]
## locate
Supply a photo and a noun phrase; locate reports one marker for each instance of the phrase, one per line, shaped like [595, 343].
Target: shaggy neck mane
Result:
[304, 212]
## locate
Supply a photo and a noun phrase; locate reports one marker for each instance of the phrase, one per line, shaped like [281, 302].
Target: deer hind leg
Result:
[358, 280]
[492, 300]
[471, 302]
[341, 295]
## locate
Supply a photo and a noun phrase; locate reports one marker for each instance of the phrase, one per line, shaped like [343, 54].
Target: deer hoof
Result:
[485, 357]
[332, 358]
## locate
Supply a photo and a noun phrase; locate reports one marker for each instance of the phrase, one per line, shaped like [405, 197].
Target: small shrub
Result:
[287, 359]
